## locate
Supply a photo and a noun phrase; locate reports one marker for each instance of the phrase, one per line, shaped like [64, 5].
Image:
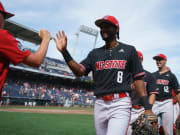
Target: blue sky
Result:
[151, 26]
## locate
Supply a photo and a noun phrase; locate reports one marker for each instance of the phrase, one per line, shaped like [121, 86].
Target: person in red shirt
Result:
[10, 53]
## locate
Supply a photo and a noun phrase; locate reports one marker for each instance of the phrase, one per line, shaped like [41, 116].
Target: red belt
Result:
[163, 99]
[113, 96]
[137, 106]
[174, 101]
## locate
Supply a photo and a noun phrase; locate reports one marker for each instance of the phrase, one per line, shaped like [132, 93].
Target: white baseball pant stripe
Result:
[112, 117]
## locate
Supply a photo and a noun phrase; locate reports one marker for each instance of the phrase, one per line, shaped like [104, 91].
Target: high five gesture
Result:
[61, 41]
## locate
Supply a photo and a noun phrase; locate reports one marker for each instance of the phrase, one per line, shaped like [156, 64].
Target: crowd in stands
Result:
[59, 95]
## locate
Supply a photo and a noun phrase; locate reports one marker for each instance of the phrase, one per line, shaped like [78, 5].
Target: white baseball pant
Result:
[112, 117]
[165, 113]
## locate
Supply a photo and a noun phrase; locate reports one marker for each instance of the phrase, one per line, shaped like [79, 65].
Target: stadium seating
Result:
[31, 91]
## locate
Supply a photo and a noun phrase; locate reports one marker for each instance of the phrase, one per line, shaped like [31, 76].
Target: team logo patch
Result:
[121, 50]
[111, 64]
[162, 81]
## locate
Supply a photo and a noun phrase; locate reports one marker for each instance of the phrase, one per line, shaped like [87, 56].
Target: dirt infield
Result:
[50, 111]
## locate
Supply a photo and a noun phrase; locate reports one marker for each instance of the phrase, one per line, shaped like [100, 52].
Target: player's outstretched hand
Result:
[61, 41]
[44, 34]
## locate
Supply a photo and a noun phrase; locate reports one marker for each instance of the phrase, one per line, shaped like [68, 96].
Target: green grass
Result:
[15, 123]
[42, 107]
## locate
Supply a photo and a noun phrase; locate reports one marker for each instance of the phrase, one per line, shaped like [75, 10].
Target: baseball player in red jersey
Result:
[112, 66]
[150, 84]
[10, 53]
[163, 106]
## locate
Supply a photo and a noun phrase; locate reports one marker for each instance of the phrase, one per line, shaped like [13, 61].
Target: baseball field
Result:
[46, 121]
[17, 120]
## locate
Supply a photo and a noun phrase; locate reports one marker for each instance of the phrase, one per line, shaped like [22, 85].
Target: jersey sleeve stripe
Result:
[141, 74]
[178, 89]
[154, 92]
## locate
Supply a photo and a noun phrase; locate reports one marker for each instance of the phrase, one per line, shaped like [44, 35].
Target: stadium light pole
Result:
[86, 30]
[76, 42]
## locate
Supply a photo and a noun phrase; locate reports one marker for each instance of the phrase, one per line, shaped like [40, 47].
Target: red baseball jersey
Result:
[9, 53]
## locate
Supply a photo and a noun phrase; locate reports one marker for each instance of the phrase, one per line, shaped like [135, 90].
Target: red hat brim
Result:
[8, 15]
[100, 21]
[158, 57]
[3, 11]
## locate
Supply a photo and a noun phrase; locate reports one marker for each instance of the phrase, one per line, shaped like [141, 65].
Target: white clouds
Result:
[141, 25]
[151, 26]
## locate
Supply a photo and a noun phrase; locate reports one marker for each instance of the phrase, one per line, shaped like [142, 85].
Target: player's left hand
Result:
[61, 41]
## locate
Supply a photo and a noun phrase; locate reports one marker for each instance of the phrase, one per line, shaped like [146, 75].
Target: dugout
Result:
[12, 100]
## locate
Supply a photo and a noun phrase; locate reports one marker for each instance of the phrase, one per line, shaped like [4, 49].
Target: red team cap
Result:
[7, 14]
[140, 55]
[160, 56]
[108, 19]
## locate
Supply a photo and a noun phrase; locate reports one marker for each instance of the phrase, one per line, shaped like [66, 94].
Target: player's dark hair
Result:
[4, 14]
[117, 35]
